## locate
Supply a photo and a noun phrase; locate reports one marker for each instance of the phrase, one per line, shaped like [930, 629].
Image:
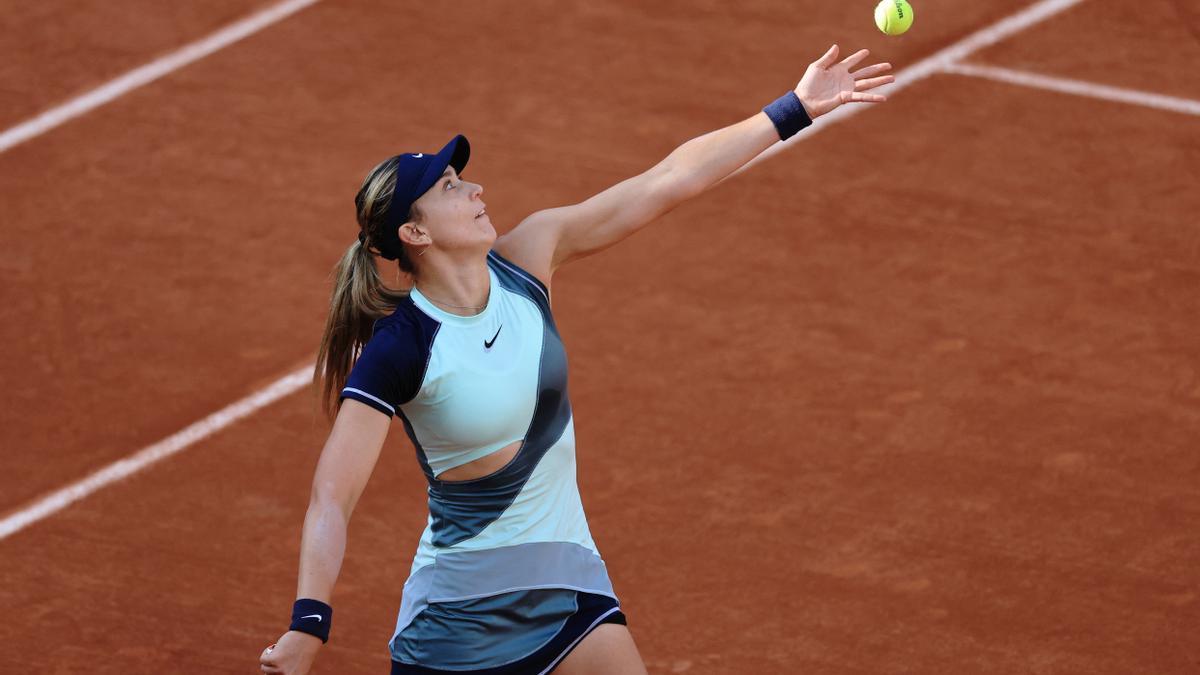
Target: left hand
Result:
[293, 654]
[828, 84]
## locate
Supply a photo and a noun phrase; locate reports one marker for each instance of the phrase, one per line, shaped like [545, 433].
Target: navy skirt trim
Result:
[593, 611]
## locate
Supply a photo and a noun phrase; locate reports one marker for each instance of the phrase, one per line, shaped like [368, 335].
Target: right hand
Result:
[293, 654]
[828, 84]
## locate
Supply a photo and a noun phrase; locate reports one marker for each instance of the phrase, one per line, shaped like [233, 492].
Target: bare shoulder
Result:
[531, 245]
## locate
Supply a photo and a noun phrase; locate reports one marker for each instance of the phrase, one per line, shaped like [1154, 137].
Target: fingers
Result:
[871, 71]
[864, 85]
[267, 661]
[855, 58]
[859, 97]
[829, 58]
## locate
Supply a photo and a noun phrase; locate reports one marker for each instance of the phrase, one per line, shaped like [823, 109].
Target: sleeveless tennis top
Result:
[464, 387]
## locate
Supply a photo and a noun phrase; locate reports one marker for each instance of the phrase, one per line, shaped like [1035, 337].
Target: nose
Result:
[476, 190]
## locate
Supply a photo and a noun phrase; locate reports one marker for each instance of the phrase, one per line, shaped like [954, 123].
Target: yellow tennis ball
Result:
[893, 16]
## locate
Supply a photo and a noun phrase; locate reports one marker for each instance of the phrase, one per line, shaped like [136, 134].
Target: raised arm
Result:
[346, 462]
[548, 239]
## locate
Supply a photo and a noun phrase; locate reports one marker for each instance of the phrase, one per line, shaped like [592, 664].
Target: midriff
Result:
[488, 464]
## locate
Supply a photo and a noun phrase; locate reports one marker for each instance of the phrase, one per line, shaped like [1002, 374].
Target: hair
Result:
[359, 296]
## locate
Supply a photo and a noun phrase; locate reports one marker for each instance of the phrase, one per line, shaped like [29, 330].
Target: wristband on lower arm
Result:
[312, 617]
[788, 115]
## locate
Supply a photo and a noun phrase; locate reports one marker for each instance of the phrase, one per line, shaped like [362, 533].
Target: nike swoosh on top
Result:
[310, 616]
[487, 344]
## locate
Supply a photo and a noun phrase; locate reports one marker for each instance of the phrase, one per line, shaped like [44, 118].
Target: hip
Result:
[527, 631]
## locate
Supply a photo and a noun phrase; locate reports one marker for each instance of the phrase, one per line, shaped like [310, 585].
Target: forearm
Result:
[322, 548]
[547, 239]
[702, 162]
[705, 160]
[623, 209]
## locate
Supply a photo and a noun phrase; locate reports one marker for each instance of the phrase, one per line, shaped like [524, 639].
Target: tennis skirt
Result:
[518, 633]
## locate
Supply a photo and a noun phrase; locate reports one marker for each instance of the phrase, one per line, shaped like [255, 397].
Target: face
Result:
[453, 216]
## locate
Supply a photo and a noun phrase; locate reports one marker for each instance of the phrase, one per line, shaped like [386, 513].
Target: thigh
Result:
[607, 650]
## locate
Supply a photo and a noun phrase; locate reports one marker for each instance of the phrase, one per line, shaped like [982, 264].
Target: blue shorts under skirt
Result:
[545, 624]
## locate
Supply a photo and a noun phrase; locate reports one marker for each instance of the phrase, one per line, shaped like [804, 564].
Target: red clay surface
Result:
[1143, 45]
[57, 49]
[919, 396]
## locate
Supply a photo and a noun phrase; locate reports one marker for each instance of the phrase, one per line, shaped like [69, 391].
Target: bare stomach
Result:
[483, 466]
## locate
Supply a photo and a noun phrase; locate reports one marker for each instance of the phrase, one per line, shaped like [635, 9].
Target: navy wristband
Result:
[788, 115]
[312, 617]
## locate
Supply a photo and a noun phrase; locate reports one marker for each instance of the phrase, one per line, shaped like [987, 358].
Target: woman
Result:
[506, 578]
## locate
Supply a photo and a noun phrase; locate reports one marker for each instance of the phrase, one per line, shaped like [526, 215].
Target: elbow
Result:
[326, 501]
[674, 184]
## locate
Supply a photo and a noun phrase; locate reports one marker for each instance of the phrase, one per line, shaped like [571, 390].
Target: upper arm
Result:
[350, 454]
[387, 373]
[548, 239]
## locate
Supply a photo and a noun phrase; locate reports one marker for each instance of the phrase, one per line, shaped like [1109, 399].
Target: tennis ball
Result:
[893, 16]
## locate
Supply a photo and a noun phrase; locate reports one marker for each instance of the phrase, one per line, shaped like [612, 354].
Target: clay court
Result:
[918, 394]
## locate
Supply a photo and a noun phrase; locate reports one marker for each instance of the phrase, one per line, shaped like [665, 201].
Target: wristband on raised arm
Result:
[788, 115]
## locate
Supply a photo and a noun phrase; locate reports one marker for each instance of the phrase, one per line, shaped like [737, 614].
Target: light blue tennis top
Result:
[464, 387]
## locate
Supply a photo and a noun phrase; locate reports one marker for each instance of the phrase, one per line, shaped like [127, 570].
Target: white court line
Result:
[143, 458]
[148, 73]
[930, 65]
[1078, 87]
[60, 499]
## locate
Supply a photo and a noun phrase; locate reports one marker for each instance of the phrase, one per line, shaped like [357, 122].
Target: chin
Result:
[489, 228]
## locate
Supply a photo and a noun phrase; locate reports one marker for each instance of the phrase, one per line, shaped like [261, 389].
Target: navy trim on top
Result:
[393, 363]
[512, 266]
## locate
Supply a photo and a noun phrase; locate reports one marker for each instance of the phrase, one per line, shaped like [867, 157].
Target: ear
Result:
[411, 234]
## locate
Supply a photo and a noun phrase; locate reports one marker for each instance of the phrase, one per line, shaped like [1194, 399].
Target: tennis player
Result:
[506, 578]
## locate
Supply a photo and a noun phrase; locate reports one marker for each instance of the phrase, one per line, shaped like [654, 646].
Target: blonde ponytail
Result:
[359, 296]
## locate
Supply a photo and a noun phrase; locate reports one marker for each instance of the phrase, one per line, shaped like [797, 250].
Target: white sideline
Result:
[61, 498]
[1078, 87]
[149, 72]
[930, 65]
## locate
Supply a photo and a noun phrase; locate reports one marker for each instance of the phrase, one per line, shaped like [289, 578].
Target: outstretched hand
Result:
[828, 84]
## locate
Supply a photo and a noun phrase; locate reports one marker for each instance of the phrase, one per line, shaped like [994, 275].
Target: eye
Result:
[449, 184]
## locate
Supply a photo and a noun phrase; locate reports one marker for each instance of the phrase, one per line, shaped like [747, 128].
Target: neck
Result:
[457, 288]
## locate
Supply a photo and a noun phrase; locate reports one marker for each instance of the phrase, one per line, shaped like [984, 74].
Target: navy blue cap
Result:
[416, 172]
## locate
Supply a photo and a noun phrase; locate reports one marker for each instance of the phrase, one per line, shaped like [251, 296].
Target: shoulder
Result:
[401, 340]
[517, 277]
[406, 326]
[528, 247]
[393, 362]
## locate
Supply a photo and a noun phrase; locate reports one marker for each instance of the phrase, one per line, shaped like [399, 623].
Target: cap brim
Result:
[457, 152]
[454, 154]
